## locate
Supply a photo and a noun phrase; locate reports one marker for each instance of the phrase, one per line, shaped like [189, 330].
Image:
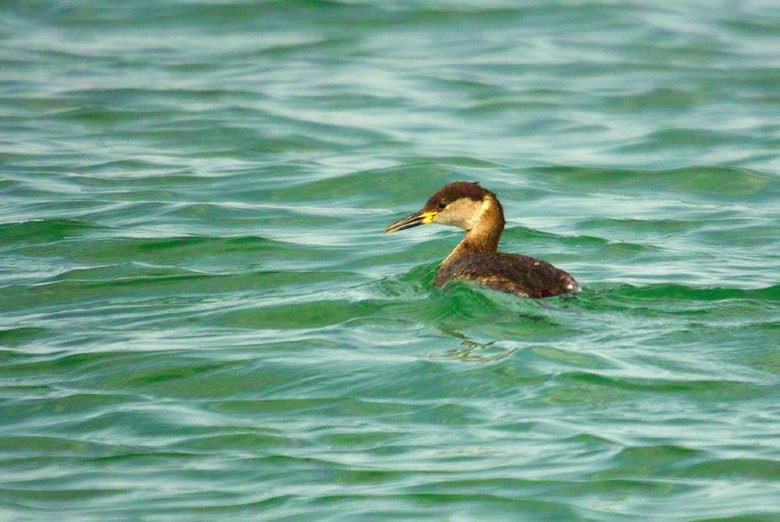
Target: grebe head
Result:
[460, 204]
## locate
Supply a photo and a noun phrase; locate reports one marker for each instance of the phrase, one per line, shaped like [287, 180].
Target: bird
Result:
[476, 210]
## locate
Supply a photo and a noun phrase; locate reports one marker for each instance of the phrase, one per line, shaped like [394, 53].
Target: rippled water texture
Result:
[201, 320]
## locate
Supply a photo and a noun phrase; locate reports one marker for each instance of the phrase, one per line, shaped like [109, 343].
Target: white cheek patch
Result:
[474, 213]
[478, 211]
[486, 204]
[463, 213]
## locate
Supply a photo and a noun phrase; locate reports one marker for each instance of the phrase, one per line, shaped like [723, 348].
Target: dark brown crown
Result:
[449, 193]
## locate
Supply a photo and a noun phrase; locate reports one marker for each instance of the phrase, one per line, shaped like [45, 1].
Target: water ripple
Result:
[200, 316]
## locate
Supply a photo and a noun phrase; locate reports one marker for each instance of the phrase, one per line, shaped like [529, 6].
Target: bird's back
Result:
[517, 274]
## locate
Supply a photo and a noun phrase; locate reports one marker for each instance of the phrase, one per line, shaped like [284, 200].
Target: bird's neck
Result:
[484, 235]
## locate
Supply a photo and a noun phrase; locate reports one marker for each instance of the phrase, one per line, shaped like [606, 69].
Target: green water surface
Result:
[201, 320]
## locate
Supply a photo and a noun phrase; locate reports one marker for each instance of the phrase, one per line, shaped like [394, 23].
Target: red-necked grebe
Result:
[476, 258]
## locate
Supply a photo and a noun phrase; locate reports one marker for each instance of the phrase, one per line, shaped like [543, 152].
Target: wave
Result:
[44, 230]
[715, 179]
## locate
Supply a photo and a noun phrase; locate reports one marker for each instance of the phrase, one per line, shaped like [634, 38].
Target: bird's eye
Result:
[441, 205]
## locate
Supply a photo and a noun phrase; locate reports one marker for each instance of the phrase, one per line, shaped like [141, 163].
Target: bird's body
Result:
[476, 258]
[517, 274]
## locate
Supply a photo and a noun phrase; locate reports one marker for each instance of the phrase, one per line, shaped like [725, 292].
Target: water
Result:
[200, 317]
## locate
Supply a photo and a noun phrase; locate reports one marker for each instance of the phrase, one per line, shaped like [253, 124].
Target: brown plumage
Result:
[476, 258]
